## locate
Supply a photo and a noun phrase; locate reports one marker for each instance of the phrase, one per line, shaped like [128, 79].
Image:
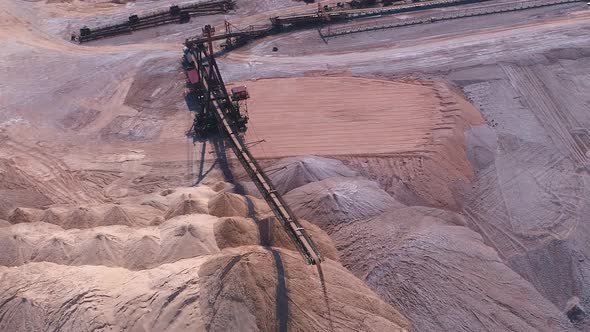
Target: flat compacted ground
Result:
[442, 170]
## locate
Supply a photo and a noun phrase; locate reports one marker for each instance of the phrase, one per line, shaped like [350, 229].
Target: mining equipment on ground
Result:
[222, 113]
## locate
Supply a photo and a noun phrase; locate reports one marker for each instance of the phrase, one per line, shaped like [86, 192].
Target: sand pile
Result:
[236, 232]
[24, 215]
[187, 236]
[118, 216]
[403, 253]
[54, 215]
[247, 288]
[88, 216]
[335, 201]
[177, 238]
[82, 217]
[227, 204]
[290, 173]
[186, 205]
[272, 234]
[442, 276]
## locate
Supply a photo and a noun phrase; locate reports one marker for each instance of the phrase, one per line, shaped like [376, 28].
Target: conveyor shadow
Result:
[281, 292]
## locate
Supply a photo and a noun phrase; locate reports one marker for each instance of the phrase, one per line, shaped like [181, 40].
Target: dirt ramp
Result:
[290, 173]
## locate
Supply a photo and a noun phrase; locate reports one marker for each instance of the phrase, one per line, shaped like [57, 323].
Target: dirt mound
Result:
[403, 255]
[236, 275]
[236, 232]
[82, 217]
[248, 288]
[117, 216]
[335, 201]
[187, 236]
[140, 252]
[186, 205]
[16, 249]
[272, 234]
[24, 215]
[290, 173]
[54, 216]
[181, 237]
[227, 204]
[59, 249]
[100, 249]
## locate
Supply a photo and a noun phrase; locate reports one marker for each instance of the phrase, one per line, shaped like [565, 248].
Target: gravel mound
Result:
[118, 216]
[82, 217]
[405, 254]
[294, 172]
[186, 237]
[236, 232]
[23, 215]
[54, 216]
[272, 234]
[186, 205]
[332, 202]
[227, 204]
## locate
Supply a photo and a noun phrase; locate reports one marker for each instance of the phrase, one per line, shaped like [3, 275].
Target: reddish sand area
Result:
[349, 115]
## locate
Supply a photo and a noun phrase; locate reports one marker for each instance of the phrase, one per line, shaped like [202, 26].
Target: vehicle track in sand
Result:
[559, 123]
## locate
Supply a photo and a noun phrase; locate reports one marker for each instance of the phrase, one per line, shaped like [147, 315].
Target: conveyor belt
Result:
[217, 100]
[448, 15]
[174, 14]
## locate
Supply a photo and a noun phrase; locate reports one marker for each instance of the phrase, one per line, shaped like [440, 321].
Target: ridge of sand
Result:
[424, 261]
[233, 290]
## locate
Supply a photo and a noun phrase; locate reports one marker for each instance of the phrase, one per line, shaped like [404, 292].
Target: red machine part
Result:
[239, 93]
[193, 76]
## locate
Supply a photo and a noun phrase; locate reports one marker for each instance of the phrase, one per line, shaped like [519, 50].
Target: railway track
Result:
[174, 14]
[331, 32]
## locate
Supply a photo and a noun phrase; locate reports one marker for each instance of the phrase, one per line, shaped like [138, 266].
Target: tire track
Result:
[559, 123]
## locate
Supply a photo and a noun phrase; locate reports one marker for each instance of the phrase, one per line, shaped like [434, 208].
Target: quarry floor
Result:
[487, 117]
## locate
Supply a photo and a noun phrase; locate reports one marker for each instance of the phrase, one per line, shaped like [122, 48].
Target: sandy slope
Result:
[308, 115]
[91, 137]
[193, 271]
[425, 261]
